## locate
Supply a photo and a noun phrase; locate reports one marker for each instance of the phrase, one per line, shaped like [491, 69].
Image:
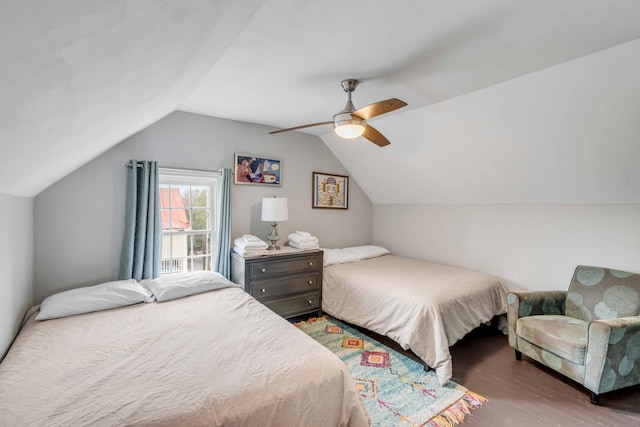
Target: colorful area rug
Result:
[396, 389]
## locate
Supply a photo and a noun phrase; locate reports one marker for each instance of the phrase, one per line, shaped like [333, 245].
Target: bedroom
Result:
[523, 177]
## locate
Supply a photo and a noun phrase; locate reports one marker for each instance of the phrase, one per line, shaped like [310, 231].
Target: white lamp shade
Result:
[275, 209]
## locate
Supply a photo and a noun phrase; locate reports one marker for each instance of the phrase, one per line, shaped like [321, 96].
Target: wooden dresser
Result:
[288, 281]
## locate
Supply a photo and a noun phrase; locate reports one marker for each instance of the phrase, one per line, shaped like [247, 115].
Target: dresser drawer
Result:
[292, 306]
[273, 268]
[285, 285]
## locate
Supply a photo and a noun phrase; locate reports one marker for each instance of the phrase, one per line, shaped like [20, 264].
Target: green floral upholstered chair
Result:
[590, 333]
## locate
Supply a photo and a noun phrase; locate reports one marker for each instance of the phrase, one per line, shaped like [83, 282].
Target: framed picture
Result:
[330, 191]
[256, 170]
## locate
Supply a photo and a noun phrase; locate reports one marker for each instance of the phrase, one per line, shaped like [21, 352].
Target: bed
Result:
[217, 358]
[423, 306]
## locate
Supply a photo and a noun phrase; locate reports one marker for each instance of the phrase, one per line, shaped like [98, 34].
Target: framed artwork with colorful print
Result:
[330, 191]
[255, 170]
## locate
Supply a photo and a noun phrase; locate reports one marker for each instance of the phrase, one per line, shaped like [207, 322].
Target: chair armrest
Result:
[523, 304]
[613, 349]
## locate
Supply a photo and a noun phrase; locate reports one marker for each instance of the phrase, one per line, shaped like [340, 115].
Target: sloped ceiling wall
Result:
[80, 76]
[569, 134]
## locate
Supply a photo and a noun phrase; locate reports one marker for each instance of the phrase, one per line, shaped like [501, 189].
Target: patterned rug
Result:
[396, 389]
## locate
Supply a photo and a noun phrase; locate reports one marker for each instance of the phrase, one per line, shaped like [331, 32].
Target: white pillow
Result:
[367, 251]
[180, 285]
[355, 253]
[93, 298]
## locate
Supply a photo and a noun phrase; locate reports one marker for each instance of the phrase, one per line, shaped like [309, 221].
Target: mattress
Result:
[423, 306]
[218, 359]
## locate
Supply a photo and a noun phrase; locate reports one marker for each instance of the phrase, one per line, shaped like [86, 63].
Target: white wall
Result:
[79, 221]
[529, 247]
[16, 264]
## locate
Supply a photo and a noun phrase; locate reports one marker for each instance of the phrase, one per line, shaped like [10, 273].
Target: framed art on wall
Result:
[330, 191]
[255, 170]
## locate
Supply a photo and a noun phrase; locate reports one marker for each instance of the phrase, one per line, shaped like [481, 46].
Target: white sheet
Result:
[423, 306]
[219, 359]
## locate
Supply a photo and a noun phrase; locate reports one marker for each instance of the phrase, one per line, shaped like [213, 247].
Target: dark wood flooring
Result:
[526, 393]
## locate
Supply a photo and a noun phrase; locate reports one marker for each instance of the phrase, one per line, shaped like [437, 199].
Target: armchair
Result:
[590, 333]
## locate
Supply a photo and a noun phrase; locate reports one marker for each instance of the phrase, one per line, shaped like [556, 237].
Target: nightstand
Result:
[288, 281]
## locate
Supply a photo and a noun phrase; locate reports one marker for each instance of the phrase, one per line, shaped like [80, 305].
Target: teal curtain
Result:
[142, 244]
[223, 260]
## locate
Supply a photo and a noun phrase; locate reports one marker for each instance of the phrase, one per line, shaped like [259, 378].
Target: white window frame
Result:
[200, 178]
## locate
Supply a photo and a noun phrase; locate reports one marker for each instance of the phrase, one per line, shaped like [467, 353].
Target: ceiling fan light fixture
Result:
[351, 123]
[348, 126]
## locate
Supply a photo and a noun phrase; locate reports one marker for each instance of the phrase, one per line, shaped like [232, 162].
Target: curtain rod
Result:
[129, 164]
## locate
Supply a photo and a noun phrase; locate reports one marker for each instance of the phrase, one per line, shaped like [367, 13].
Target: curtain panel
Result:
[223, 256]
[142, 244]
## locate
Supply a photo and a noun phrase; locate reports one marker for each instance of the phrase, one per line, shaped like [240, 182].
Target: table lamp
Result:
[274, 209]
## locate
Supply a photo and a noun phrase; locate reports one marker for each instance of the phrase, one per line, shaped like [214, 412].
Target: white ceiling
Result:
[79, 76]
[285, 68]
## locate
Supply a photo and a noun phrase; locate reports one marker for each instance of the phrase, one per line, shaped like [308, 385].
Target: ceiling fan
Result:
[351, 123]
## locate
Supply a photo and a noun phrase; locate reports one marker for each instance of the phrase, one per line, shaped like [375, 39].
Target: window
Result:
[188, 201]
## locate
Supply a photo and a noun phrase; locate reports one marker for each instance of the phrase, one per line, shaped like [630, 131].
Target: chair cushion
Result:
[600, 293]
[563, 336]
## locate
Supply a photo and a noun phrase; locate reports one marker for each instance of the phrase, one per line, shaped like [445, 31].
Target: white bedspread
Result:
[423, 306]
[216, 359]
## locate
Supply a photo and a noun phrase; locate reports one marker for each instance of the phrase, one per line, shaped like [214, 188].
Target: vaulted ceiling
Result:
[80, 76]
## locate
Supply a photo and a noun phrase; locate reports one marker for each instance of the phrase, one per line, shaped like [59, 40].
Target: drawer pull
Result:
[264, 270]
[310, 301]
[310, 282]
[310, 263]
[263, 290]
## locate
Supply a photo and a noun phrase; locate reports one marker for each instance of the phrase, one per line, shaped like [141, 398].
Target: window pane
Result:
[198, 244]
[199, 263]
[200, 196]
[184, 192]
[200, 219]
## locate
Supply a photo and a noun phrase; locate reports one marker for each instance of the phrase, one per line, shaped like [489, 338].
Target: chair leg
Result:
[518, 355]
[595, 398]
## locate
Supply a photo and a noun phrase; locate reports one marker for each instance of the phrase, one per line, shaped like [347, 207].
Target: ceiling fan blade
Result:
[378, 108]
[301, 127]
[374, 136]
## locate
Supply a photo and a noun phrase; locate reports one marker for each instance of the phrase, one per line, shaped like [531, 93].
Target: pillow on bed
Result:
[93, 298]
[355, 253]
[180, 285]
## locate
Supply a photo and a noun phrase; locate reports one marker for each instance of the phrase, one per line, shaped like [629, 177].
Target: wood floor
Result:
[525, 393]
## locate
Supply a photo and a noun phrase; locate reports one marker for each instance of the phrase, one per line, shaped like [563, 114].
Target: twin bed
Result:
[213, 355]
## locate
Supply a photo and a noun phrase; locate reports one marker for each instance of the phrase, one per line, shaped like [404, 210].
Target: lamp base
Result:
[273, 237]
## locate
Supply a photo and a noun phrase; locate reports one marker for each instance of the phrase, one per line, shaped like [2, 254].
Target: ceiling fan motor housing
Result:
[348, 122]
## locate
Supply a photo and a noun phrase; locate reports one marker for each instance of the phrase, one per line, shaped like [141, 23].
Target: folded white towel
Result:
[303, 233]
[304, 246]
[244, 252]
[250, 238]
[294, 237]
[242, 243]
[250, 250]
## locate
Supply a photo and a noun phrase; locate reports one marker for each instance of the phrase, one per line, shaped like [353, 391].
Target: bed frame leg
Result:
[595, 398]
[518, 355]
[427, 368]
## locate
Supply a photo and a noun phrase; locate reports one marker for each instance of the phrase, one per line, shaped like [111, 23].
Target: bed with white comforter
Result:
[423, 306]
[218, 358]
